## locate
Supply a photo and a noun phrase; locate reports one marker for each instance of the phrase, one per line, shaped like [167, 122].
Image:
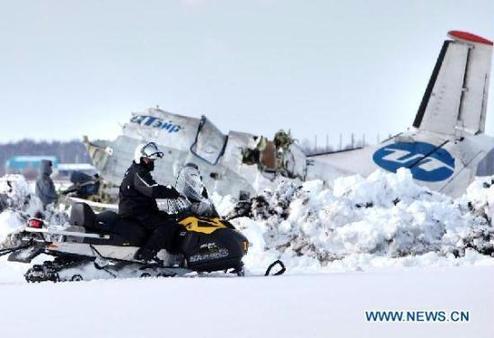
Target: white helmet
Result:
[149, 150]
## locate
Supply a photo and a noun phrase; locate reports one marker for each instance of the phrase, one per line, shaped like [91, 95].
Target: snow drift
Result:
[360, 223]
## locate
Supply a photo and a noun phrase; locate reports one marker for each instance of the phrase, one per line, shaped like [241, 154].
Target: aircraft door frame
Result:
[205, 149]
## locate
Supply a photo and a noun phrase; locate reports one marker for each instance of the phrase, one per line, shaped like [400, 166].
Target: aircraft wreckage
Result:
[442, 148]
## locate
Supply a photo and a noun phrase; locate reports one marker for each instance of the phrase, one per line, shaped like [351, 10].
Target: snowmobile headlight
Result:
[35, 223]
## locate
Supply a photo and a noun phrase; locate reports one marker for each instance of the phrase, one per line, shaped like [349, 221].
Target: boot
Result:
[147, 255]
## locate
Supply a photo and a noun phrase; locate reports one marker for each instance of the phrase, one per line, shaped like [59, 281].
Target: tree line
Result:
[72, 151]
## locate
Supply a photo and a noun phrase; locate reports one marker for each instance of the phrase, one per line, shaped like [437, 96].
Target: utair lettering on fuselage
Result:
[425, 161]
[156, 122]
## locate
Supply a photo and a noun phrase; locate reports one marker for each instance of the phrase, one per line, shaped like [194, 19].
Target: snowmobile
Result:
[83, 185]
[89, 249]
[96, 245]
[91, 188]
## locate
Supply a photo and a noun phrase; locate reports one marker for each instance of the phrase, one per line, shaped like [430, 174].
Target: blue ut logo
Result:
[155, 122]
[425, 161]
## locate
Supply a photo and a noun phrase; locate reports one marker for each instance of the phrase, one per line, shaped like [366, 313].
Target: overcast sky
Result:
[70, 68]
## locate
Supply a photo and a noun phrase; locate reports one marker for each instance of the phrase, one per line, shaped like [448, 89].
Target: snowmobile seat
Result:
[106, 220]
[82, 215]
[121, 231]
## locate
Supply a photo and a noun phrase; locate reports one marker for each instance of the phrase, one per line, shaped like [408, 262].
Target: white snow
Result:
[19, 193]
[380, 243]
[320, 305]
[364, 223]
[10, 221]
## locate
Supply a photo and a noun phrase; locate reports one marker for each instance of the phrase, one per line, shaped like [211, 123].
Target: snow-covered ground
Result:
[379, 243]
[319, 305]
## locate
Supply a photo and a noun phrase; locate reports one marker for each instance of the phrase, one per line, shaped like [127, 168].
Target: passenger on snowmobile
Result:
[189, 183]
[45, 189]
[137, 202]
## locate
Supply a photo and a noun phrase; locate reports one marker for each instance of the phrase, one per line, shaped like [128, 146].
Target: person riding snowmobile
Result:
[137, 201]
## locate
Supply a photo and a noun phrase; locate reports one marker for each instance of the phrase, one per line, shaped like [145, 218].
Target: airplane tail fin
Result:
[455, 100]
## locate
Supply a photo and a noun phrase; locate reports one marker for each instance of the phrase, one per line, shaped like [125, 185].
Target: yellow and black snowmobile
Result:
[88, 249]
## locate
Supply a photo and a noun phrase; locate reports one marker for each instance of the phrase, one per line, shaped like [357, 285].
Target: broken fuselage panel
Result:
[236, 164]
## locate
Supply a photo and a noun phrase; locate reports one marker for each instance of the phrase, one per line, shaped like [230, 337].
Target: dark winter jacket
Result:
[45, 189]
[138, 192]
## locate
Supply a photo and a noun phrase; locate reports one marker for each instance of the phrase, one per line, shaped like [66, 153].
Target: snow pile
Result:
[16, 200]
[361, 223]
[16, 193]
[10, 221]
[480, 195]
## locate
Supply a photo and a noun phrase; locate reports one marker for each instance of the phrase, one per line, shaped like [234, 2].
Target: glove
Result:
[173, 193]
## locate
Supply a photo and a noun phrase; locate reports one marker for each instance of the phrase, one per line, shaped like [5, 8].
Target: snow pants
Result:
[162, 231]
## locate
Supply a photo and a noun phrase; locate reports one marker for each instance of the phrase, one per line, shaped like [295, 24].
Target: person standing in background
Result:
[45, 189]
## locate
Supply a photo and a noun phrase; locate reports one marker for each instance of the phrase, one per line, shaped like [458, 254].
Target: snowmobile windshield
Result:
[151, 151]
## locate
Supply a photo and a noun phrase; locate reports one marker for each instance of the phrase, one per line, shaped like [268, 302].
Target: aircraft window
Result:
[210, 142]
